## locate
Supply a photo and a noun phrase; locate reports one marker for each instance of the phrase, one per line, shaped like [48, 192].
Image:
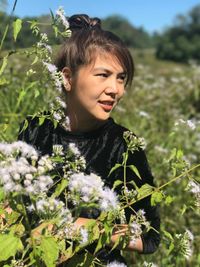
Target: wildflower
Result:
[88, 187]
[55, 75]
[70, 230]
[57, 116]
[74, 149]
[116, 264]
[84, 236]
[135, 231]
[17, 148]
[185, 244]
[60, 102]
[189, 123]
[58, 150]
[144, 114]
[108, 200]
[48, 208]
[134, 143]
[60, 16]
[194, 188]
[149, 264]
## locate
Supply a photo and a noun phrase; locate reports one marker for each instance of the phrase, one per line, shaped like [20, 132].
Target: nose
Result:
[112, 87]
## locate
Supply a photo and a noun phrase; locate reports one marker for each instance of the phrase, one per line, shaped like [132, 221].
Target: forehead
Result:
[105, 61]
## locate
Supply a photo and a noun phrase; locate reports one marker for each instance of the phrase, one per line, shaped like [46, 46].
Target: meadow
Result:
[163, 106]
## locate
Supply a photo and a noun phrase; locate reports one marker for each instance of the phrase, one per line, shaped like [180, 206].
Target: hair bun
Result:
[82, 21]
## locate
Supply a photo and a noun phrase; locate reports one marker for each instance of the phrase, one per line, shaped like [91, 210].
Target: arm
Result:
[121, 230]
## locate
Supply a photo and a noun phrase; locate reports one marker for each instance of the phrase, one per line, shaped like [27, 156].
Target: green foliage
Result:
[10, 245]
[17, 25]
[50, 251]
[132, 36]
[163, 94]
[181, 42]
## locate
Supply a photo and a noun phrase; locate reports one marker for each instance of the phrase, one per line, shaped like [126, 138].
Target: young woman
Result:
[97, 67]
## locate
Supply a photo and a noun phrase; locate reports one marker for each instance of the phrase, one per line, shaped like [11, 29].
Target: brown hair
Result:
[87, 38]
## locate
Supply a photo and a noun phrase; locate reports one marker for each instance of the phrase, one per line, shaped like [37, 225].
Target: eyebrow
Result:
[106, 70]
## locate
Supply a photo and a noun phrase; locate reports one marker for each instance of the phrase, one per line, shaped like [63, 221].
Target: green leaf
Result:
[2, 194]
[4, 64]
[35, 60]
[169, 200]
[117, 165]
[36, 93]
[88, 260]
[10, 245]
[76, 261]
[135, 170]
[117, 183]
[17, 25]
[24, 126]
[144, 190]
[156, 197]
[20, 97]
[41, 120]
[168, 235]
[50, 251]
[184, 208]
[3, 81]
[60, 187]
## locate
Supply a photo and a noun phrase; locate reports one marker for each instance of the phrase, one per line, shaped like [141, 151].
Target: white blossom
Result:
[89, 187]
[188, 123]
[144, 114]
[150, 264]
[60, 15]
[84, 236]
[58, 150]
[108, 200]
[74, 149]
[116, 264]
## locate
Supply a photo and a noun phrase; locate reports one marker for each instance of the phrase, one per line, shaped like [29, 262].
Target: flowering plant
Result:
[41, 197]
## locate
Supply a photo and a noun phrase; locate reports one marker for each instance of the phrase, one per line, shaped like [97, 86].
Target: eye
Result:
[104, 75]
[122, 78]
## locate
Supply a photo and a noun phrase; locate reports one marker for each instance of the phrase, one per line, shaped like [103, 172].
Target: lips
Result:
[106, 105]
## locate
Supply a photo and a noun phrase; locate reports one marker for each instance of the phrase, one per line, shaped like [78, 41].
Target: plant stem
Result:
[164, 185]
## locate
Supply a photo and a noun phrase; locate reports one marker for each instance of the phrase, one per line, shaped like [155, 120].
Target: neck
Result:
[77, 125]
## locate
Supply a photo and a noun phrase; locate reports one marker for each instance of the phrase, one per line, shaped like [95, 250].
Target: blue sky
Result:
[153, 15]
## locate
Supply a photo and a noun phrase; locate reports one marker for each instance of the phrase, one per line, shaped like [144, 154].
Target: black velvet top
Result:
[102, 149]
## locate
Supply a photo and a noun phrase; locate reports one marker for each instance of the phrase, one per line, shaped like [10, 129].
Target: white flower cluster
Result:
[15, 148]
[48, 208]
[74, 149]
[135, 227]
[116, 264]
[90, 188]
[18, 172]
[73, 161]
[194, 188]
[55, 75]
[42, 44]
[60, 17]
[189, 123]
[83, 236]
[185, 244]
[133, 142]
[150, 264]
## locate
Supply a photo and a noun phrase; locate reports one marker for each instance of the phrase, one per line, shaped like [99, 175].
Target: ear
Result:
[67, 78]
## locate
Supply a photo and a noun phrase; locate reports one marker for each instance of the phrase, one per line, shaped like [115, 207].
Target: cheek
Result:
[121, 92]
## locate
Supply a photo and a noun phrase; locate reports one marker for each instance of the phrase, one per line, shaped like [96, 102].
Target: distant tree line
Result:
[132, 36]
[182, 41]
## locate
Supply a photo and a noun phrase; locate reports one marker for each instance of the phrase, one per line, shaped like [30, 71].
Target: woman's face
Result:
[94, 92]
